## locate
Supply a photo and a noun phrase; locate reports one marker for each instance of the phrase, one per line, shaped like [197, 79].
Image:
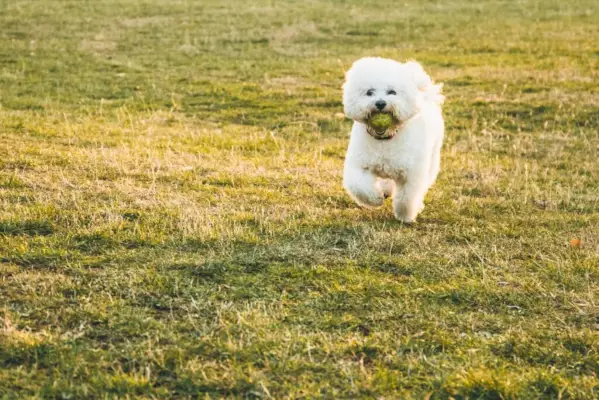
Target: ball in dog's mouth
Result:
[381, 125]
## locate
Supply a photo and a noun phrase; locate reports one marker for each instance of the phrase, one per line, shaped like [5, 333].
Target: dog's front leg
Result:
[361, 186]
[408, 200]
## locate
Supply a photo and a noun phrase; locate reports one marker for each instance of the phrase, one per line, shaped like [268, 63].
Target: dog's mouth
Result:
[381, 125]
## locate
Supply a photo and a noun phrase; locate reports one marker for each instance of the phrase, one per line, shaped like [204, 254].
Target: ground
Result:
[173, 224]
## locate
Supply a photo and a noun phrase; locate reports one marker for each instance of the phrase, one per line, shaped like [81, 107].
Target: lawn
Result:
[173, 224]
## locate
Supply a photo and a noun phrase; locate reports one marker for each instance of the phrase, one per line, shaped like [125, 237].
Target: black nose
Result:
[380, 104]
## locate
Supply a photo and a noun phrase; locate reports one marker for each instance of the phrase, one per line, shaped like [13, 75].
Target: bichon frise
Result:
[396, 153]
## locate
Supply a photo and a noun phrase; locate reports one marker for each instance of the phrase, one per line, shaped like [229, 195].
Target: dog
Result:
[404, 160]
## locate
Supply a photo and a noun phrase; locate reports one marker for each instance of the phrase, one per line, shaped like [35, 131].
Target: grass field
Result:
[173, 224]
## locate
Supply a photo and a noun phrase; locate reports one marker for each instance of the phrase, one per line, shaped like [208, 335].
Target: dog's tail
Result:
[431, 90]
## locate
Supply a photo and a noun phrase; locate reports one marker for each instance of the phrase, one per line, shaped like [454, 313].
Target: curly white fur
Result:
[406, 165]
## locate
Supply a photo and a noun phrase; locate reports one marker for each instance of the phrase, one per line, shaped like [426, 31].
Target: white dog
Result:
[404, 160]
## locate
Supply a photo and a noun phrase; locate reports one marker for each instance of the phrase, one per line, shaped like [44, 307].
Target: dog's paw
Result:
[365, 195]
[369, 199]
[406, 212]
[404, 220]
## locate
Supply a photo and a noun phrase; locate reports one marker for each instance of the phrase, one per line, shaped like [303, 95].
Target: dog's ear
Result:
[421, 78]
[424, 83]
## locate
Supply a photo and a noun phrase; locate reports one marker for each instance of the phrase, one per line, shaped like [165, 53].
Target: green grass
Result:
[173, 225]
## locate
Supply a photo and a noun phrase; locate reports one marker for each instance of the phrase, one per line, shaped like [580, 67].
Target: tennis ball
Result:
[381, 122]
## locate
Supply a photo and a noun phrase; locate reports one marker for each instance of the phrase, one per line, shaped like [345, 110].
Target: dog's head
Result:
[379, 85]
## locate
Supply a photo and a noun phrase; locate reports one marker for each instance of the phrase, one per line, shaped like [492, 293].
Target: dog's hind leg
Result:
[408, 199]
[435, 164]
[362, 187]
[434, 168]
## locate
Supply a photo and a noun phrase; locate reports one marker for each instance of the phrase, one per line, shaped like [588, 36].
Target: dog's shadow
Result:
[384, 215]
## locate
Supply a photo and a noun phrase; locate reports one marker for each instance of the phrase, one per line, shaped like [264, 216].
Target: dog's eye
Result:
[370, 92]
[391, 92]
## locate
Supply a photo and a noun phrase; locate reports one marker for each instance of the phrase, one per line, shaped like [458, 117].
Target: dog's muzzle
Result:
[386, 135]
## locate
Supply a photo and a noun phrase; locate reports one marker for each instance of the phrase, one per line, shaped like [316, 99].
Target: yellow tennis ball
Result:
[381, 122]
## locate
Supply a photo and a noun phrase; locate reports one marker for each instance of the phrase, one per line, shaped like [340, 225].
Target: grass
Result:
[172, 221]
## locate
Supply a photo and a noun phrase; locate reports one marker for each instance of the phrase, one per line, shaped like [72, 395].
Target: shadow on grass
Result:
[26, 228]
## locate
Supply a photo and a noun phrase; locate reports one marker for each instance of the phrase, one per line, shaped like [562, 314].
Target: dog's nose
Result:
[380, 104]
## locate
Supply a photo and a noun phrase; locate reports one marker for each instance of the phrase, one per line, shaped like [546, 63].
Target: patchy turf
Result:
[172, 221]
